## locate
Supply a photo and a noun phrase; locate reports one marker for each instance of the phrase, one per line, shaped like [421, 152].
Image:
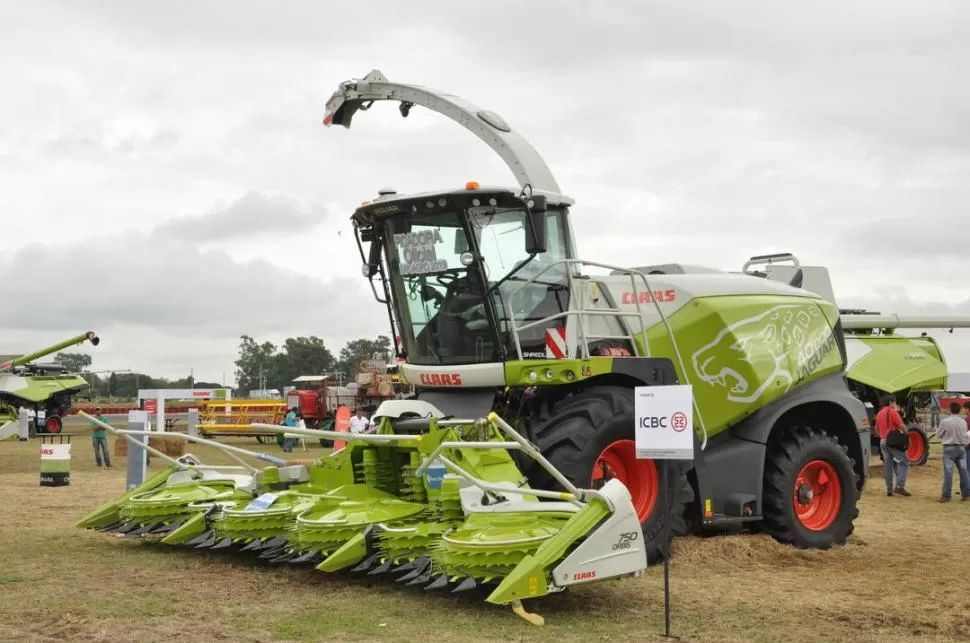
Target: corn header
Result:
[430, 501]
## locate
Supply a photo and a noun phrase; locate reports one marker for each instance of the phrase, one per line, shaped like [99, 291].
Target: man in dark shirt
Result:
[893, 460]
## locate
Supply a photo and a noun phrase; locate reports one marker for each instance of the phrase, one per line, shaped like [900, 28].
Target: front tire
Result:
[589, 437]
[810, 489]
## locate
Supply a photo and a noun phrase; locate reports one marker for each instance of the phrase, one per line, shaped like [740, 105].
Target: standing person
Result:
[955, 438]
[300, 424]
[934, 409]
[893, 460]
[966, 407]
[23, 424]
[359, 423]
[289, 439]
[99, 440]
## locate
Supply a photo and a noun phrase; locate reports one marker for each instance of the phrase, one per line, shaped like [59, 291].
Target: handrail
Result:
[580, 312]
[126, 433]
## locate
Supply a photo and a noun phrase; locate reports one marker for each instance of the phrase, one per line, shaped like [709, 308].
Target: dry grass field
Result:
[898, 579]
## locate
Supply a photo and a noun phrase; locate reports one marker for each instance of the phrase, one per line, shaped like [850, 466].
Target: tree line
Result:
[259, 365]
[265, 365]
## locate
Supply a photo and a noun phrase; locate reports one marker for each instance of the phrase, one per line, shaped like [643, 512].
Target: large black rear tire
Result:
[595, 426]
[810, 489]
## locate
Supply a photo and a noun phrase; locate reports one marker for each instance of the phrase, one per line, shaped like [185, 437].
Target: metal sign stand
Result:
[665, 432]
[663, 490]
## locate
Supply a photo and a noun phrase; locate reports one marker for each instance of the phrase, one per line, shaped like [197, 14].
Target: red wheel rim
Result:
[619, 460]
[53, 425]
[817, 495]
[916, 447]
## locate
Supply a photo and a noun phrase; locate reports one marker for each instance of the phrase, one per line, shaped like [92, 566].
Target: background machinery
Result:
[45, 389]
[879, 360]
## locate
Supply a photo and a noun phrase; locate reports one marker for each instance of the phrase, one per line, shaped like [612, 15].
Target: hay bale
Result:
[170, 445]
[167, 444]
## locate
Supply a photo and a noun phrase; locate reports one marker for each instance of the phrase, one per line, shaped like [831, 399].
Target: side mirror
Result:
[535, 228]
[373, 260]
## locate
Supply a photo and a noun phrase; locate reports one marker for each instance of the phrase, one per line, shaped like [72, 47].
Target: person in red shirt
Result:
[893, 460]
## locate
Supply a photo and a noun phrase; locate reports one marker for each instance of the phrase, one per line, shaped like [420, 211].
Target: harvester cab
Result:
[47, 389]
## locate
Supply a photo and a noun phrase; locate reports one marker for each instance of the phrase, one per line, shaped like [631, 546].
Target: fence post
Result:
[193, 422]
[137, 466]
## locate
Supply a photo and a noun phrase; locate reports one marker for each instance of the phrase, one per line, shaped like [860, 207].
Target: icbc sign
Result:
[664, 422]
[677, 422]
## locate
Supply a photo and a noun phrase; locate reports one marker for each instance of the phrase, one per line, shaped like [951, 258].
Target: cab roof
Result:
[390, 196]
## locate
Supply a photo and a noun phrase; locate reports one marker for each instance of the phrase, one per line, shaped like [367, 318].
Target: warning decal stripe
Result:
[556, 343]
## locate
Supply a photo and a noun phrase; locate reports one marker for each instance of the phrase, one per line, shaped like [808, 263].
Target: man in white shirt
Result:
[953, 433]
[359, 423]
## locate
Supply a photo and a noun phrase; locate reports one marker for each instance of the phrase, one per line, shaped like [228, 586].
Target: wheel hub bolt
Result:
[805, 494]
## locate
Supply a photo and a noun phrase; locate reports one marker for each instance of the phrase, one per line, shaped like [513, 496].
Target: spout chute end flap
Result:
[109, 512]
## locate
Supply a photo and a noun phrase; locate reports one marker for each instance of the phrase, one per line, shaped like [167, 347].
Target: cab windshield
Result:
[443, 265]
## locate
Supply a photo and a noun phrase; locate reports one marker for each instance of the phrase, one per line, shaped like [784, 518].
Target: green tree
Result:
[96, 385]
[303, 356]
[360, 349]
[256, 365]
[74, 362]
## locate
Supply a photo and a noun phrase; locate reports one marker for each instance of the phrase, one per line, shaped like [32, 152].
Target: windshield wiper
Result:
[510, 274]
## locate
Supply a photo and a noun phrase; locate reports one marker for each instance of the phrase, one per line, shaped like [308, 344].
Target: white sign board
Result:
[665, 422]
[261, 503]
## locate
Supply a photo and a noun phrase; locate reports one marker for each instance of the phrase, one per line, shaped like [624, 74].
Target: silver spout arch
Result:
[525, 162]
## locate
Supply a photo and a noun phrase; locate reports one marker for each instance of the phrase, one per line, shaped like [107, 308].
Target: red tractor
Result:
[323, 396]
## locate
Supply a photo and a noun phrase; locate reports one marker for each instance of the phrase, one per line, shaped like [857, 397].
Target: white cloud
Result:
[132, 132]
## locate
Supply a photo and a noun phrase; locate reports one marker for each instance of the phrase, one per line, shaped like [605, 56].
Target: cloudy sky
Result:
[167, 182]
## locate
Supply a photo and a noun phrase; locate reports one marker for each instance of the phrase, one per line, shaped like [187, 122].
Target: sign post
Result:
[137, 456]
[665, 431]
[55, 460]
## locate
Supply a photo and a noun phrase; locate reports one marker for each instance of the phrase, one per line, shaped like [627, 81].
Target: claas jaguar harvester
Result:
[514, 463]
[496, 313]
